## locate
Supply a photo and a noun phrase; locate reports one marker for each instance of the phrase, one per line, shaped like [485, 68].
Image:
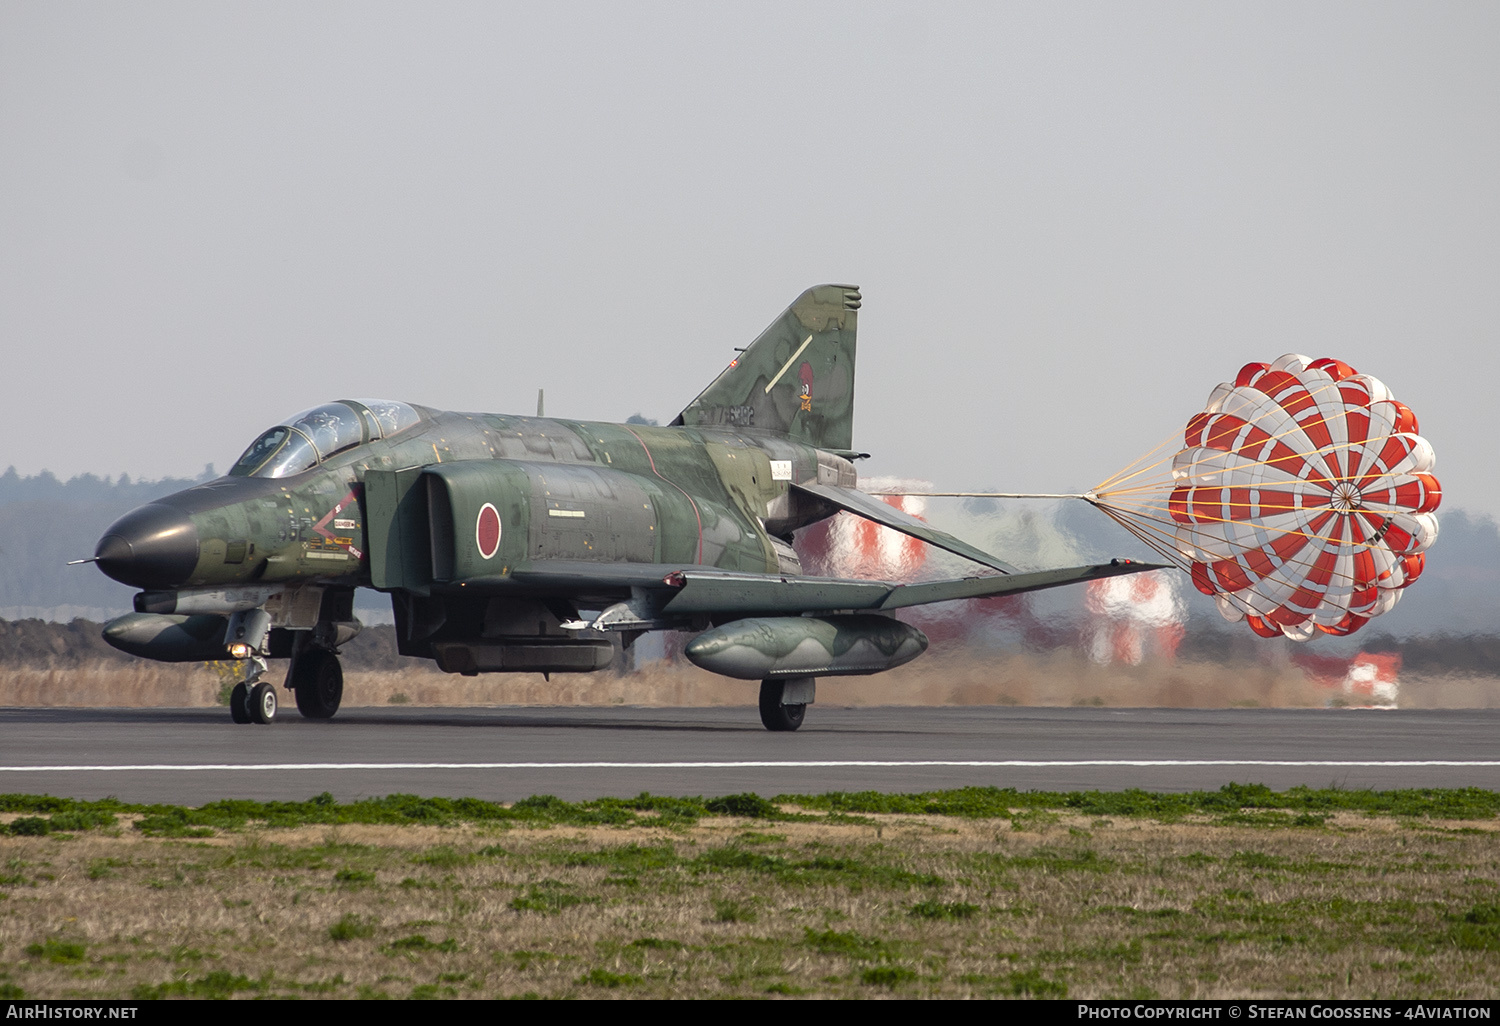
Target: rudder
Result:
[796, 378]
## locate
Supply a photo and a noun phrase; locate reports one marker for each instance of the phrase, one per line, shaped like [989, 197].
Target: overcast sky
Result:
[1070, 221]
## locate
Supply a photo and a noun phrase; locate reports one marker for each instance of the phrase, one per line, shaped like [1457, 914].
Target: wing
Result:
[709, 591]
[650, 595]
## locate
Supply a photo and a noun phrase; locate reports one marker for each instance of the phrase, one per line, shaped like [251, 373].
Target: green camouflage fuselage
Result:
[581, 490]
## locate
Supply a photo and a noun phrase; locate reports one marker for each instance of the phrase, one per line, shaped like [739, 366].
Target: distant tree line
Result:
[90, 489]
[45, 522]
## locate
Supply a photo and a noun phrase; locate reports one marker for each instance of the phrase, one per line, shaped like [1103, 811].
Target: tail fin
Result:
[796, 379]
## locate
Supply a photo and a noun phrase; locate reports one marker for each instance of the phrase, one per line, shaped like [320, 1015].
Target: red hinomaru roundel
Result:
[487, 531]
[1304, 498]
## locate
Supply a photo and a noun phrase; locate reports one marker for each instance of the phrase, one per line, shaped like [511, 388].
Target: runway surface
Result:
[192, 756]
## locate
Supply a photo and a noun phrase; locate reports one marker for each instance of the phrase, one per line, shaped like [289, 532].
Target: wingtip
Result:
[1136, 566]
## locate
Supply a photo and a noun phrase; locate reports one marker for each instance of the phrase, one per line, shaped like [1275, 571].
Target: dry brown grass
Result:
[1042, 679]
[140, 684]
[885, 905]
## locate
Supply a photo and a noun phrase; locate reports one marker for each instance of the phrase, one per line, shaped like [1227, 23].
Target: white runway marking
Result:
[805, 764]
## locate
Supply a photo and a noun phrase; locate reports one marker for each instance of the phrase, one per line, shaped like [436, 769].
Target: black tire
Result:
[263, 703]
[318, 683]
[239, 703]
[775, 715]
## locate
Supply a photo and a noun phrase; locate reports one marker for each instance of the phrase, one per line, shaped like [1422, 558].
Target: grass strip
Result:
[1244, 804]
[1231, 893]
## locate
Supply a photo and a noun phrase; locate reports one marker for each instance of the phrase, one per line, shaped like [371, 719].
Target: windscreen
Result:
[280, 452]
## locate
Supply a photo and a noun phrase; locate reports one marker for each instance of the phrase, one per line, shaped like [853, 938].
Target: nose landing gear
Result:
[252, 700]
[252, 703]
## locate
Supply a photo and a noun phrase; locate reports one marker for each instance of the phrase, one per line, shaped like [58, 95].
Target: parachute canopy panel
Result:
[1301, 500]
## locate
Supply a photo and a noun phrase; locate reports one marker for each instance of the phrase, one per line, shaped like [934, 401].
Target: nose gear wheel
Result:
[263, 702]
[239, 704]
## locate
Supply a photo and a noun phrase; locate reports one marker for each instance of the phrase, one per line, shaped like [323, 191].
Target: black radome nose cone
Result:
[155, 546]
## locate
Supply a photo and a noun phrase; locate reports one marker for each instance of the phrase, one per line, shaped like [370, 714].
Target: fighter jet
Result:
[520, 544]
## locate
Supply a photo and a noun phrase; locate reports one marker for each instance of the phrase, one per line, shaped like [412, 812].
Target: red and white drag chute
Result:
[1302, 500]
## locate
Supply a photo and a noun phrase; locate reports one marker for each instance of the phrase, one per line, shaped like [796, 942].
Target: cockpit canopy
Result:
[312, 436]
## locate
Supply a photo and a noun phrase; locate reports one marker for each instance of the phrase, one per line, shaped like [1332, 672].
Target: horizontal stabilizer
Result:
[886, 515]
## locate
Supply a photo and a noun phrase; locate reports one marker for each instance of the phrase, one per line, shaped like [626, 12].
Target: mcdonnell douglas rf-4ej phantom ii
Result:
[517, 544]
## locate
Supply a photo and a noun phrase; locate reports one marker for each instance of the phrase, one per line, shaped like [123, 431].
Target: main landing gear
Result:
[784, 702]
[317, 679]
